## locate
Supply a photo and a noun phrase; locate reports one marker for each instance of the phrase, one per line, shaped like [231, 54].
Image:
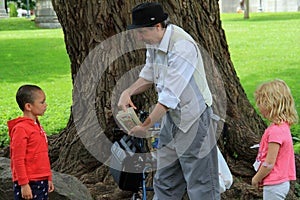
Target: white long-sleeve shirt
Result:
[171, 65]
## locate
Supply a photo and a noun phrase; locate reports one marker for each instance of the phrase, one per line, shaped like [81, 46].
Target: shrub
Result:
[12, 9]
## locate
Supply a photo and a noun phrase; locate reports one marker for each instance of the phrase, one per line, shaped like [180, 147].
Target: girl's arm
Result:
[267, 166]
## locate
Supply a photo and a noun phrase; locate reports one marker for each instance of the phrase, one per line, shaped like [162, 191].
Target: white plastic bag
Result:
[225, 177]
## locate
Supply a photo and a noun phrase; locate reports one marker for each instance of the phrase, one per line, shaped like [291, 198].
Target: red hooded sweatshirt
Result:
[28, 151]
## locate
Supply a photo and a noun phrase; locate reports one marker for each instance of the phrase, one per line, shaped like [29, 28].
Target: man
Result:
[186, 161]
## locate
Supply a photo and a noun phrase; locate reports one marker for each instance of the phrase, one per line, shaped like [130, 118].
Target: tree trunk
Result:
[101, 57]
[247, 10]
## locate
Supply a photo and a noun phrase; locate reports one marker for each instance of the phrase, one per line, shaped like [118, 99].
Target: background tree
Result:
[23, 4]
[86, 24]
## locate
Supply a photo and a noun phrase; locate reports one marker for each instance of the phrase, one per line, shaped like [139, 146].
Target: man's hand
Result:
[50, 186]
[137, 87]
[141, 131]
[26, 191]
[138, 131]
[125, 101]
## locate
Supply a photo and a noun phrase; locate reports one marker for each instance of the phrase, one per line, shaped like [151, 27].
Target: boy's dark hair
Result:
[25, 94]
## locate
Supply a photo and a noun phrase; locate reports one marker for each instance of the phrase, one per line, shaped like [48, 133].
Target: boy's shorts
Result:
[39, 190]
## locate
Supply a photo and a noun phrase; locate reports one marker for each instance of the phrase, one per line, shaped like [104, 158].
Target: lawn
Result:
[30, 55]
[265, 47]
[262, 48]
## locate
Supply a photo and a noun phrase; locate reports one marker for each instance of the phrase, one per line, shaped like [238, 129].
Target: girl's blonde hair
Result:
[276, 100]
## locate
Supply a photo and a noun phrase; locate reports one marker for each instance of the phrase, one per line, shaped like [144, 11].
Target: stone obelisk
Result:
[3, 13]
[45, 16]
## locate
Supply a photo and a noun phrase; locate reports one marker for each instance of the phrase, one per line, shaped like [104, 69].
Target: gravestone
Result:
[3, 13]
[232, 6]
[280, 5]
[45, 15]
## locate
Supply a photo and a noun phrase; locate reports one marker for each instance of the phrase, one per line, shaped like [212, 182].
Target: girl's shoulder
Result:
[279, 127]
[278, 130]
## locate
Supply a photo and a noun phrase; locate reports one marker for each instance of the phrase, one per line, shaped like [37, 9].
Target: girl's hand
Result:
[256, 183]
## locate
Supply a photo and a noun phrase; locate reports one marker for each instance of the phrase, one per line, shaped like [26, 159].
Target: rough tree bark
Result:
[86, 24]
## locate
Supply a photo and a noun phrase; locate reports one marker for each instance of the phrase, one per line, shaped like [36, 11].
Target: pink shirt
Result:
[284, 168]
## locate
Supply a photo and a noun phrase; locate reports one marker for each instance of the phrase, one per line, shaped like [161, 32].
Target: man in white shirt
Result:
[174, 64]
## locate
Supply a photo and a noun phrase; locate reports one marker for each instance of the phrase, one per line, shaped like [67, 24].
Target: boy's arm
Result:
[18, 154]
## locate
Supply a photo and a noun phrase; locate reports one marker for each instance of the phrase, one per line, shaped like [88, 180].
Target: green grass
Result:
[30, 55]
[265, 47]
[262, 48]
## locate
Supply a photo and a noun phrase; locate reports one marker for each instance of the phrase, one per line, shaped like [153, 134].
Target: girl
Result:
[275, 159]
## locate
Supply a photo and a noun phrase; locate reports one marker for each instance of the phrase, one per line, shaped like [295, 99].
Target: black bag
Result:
[125, 165]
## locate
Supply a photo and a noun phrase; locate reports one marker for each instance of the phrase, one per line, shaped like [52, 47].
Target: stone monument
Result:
[232, 6]
[3, 13]
[45, 16]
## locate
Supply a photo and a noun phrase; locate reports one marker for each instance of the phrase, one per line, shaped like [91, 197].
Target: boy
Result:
[30, 163]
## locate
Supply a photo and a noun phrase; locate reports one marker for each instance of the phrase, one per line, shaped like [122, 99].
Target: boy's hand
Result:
[50, 186]
[26, 191]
